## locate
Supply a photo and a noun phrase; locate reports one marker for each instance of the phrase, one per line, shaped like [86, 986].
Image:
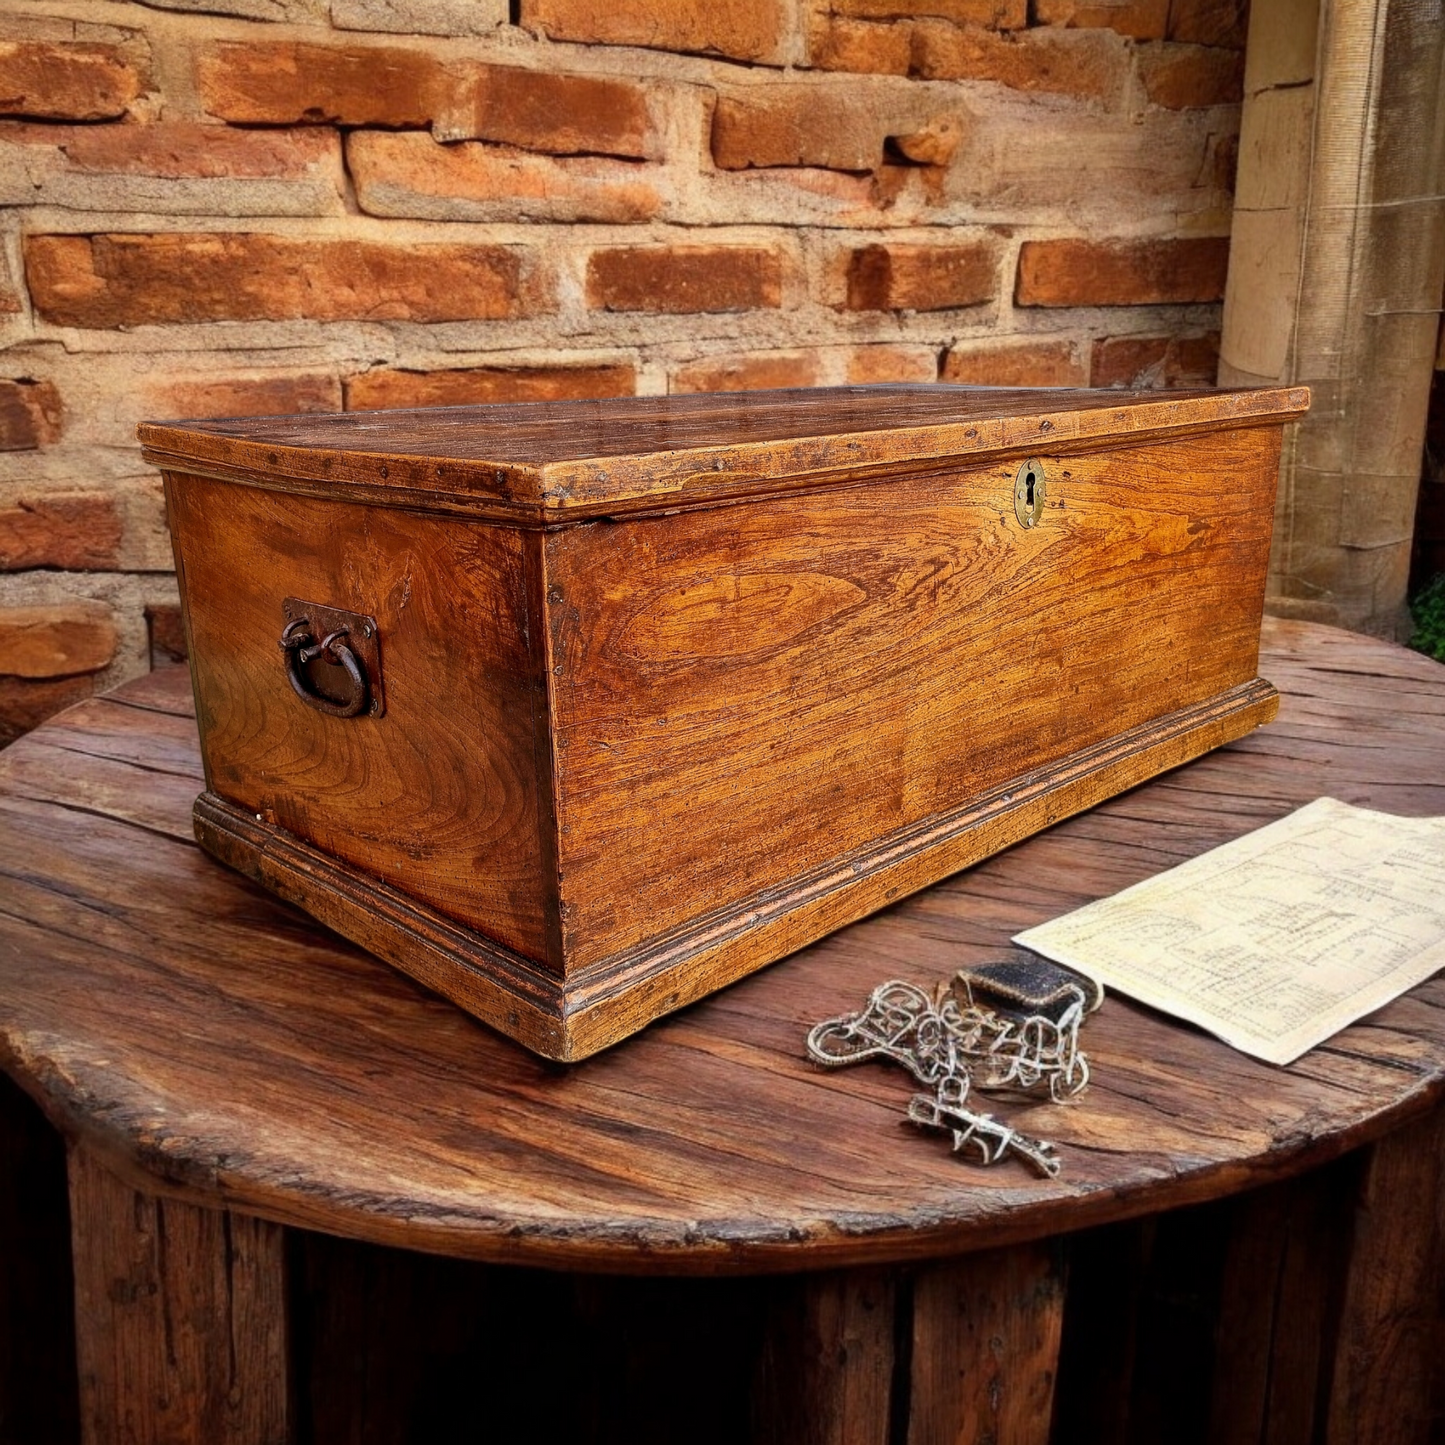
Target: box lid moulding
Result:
[543, 463]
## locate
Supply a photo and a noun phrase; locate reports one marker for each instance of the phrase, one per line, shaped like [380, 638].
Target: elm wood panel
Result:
[392, 1348]
[1213, 1323]
[38, 1393]
[659, 1361]
[743, 696]
[1385, 1381]
[1308, 1310]
[985, 1348]
[509, 992]
[180, 1318]
[357, 1104]
[579, 429]
[439, 795]
[827, 1372]
[1108, 1272]
[1287, 1253]
[532, 462]
[546, 863]
[599, 1006]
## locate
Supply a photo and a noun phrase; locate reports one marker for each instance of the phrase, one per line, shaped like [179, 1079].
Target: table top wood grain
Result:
[213, 1043]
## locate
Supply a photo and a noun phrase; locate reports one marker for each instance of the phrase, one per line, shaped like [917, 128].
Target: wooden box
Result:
[644, 694]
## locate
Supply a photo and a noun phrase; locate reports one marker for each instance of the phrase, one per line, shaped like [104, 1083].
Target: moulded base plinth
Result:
[569, 1017]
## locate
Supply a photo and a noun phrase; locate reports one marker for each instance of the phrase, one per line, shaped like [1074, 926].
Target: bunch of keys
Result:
[1028, 1043]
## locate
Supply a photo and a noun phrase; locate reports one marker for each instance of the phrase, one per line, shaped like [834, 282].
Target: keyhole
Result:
[1029, 492]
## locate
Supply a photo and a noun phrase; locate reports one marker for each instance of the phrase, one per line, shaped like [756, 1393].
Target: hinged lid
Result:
[546, 462]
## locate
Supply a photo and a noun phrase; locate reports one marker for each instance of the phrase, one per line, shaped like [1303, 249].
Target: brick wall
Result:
[314, 204]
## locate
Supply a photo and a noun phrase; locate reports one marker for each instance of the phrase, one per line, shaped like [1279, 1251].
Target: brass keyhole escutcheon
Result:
[1029, 493]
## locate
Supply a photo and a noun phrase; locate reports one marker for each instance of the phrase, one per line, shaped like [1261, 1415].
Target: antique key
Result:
[1029, 1042]
[987, 1138]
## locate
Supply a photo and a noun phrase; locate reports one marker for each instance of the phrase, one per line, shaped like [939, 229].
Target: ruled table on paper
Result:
[1278, 940]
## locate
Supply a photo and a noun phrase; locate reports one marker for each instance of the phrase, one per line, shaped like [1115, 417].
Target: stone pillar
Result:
[1335, 278]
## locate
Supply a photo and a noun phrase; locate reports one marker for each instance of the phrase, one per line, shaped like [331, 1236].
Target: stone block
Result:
[760, 371]
[172, 168]
[30, 414]
[753, 30]
[77, 531]
[59, 640]
[909, 276]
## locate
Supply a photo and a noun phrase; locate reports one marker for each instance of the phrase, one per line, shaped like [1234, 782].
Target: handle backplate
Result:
[333, 658]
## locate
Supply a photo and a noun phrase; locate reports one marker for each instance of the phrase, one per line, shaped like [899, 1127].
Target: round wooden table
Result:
[300, 1187]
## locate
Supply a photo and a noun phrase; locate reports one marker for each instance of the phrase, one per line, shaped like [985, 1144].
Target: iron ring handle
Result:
[300, 647]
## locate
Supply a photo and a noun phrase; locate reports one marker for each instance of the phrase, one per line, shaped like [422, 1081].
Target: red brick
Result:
[739, 29]
[176, 150]
[136, 280]
[1147, 361]
[388, 387]
[26, 702]
[995, 14]
[764, 371]
[681, 279]
[1209, 22]
[901, 276]
[406, 173]
[282, 394]
[76, 531]
[167, 632]
[65, 81]
[860, 45]
[1182, 77]
[29, 415]
[1122, 273]
[540, 110]
[884, 362]
[1138, 19]
[835, 126]
[56, 641]
[281, 82]
[1088, 63]
[1017, 363]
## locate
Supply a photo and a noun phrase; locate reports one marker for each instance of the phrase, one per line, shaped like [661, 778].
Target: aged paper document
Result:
[1279, 939]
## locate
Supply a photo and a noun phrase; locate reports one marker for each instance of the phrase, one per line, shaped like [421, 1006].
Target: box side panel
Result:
[743, 695]
[438, 796]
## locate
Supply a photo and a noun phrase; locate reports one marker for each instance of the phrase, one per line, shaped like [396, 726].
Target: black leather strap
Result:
[1028, 983]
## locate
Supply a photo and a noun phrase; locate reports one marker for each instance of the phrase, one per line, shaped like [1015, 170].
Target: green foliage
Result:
[1428, 610]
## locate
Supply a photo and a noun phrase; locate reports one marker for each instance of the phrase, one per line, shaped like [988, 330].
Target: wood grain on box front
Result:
[439, 795]
[744, 695]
